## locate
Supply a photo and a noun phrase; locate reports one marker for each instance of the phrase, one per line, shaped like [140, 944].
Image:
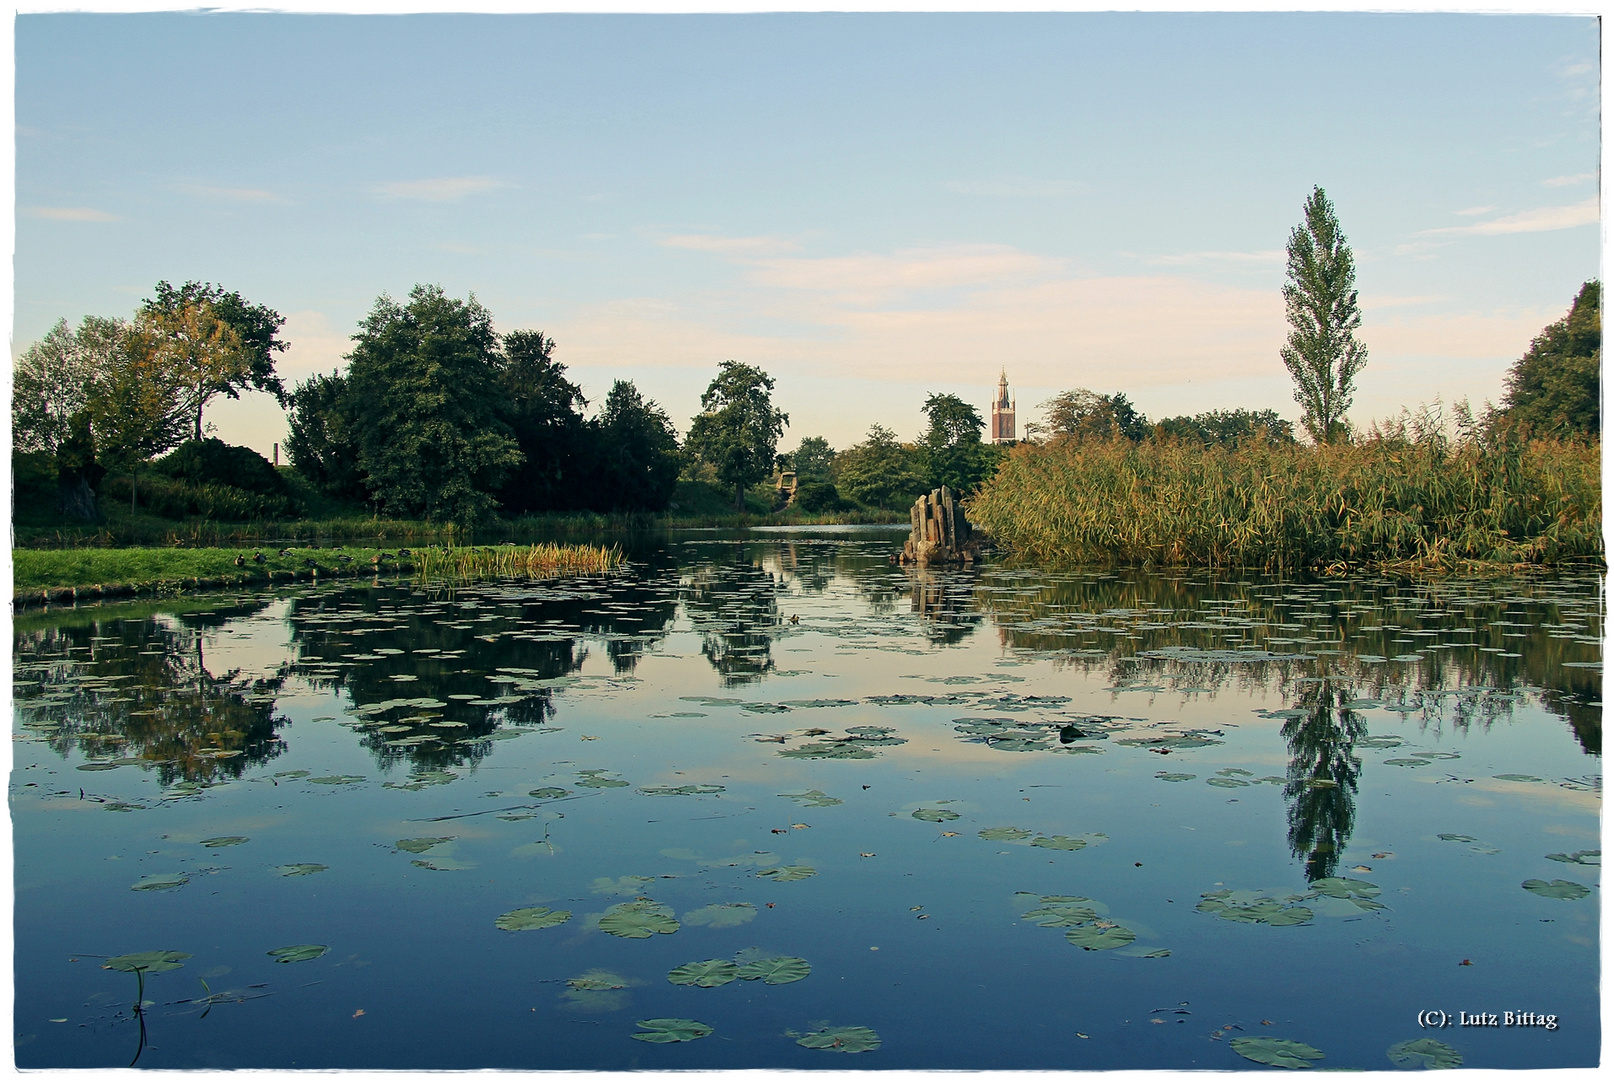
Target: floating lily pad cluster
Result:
[683, 789]
[1581, 858]
[1084, 921]
[772, 970]
[599, 778]
[1425, 1054]
[1283, 1053]
[531, 918]
[857, 743]
[638, 919]
[1010, 834]
[1557, 889]
[810, 798]
[1255, 906]
[787, 873]
[843, 1040]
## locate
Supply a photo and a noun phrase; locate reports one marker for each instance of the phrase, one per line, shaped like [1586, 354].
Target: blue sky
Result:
[870, 207]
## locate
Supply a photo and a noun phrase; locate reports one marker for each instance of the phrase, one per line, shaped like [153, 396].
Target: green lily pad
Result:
[1004, 834]
[595, 981]
[627, 885]
[683, 789]
[1345, 888]
[718, 916]
[1095, 936]
[154, 882]
[707, 973]
[160, 960]
[1251, 906]
[776, 970]
[1557, 889]
[845, 1040]
[1283, 1053]
[835, 750]
[294, 954]
[1582, 858]
[787, 873]
[638, 919]
[531, 918]
[336, 779]
[1061, 915]
[224, 841]
[1174, 777]
[937, 815]
[300, 869]
[1060, 843]
[97, 766]
[1425, 1053]
[1409, 762]
[1518, 778]
[418, 844]
[672, 1031]
[442, 864]
[596, 778]
[811, 797]
[1227, 781]
[548, 793]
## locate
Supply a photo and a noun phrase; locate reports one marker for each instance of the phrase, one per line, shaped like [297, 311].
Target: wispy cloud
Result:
[1544, 219]
[440, 189]
[730, 245]
[236, 194]
[1474, 211]
[870, 279]
[1565, 181]
[69, 213]
[1191, 258]
[1016, 188]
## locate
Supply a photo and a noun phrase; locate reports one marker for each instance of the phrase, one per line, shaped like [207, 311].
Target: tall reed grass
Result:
[536, 560]
[1399, 495]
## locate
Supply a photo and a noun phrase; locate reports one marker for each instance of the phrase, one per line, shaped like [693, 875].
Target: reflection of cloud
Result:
[441, 189]
[731, 245]
[1565, 181]
[1015, 188]
[69, 213]
[1544, 219]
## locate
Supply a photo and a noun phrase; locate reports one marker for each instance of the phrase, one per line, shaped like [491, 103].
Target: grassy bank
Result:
[126, 571]
[1421, 502]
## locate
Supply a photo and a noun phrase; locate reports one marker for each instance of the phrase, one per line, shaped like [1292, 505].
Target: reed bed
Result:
[1422, 502]
[510, 560]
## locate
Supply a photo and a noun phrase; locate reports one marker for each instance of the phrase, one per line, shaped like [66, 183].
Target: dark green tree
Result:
[1082, 414]
[1322, 353]
[1226, 427]
[738, 433]
[425, 377]
[244, 357]
[812, 460]
[952, 451]
[323, 444]
[635, 452]
[545, 412]
[880, 471]
[1555, 388]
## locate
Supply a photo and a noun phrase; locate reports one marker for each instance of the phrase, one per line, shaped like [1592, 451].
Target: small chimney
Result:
[277, 455]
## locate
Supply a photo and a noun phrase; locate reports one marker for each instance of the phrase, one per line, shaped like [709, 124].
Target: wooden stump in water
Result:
[940, 533]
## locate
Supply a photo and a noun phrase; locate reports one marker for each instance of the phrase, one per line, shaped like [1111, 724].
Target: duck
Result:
[240, 560]
[258, 557]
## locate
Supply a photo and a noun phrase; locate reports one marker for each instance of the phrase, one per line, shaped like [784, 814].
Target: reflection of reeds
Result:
[538, 560]
[1421, 502]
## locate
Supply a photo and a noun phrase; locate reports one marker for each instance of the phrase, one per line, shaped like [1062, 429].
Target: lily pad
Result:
[596, 778]
[531, 918]
[1251, 906]
[683, 789]
[1060, 843]
[718, 916]
[1061, 915]
[300, 869]
[707, 973]
[1557, 889]
[1004, 834]
[1096, 936]
[155, 882]
[787, 873]
[811, 797]
[1409, 762]
[1174, 777]
[160, 960]
[1518, 778]
[672, 1031]
[1425, 1053]
[442, 864]
[224, 841]
[597, 981]
[1582, 858]
[293, 954]
[548, 793]
[935, 814]
[417, 844]
[776, 970]
[1227, 781]
[1283, 1053]
[336, 779]
[627, 885]
[845, 1040]
[638, 919]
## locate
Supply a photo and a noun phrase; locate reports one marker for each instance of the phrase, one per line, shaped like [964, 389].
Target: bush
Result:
[179, 499]
[817, 497]
[33, 482]
[210, 462]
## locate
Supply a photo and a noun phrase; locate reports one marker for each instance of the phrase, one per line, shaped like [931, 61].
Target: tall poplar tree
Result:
[1322, 353]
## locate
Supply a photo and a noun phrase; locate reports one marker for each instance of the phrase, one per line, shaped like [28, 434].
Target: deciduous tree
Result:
[1555, 387]
[738, 433]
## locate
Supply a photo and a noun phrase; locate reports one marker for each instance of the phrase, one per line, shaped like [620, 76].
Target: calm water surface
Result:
[842, 814]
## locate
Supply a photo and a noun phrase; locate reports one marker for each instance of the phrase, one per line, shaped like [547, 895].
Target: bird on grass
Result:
[240, 560]
[258, 557]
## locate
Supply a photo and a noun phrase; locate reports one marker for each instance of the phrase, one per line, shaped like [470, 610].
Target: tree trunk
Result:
[739, 498]
[132, 476]
[199, 405]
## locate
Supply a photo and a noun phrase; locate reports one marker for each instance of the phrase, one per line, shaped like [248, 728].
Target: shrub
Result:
[817, 497]
[204, 462]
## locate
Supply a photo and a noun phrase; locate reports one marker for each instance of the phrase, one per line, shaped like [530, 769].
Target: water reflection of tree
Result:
[1323, 773]
[149, 696]
[735, 607]
[945, 601]
[476, 654]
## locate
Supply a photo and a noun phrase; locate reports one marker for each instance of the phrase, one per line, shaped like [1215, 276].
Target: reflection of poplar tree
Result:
[1323, 770]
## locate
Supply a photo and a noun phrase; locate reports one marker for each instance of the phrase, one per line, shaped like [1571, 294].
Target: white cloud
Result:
[237, 194]
[1454, 336]
[1190, 258]
[867, 279]
[70, 213]
[730, 245]
[440, 189]
[1544, 219]
[1016, 188]
[1474, 211]
[1565, 181]
[315, 346]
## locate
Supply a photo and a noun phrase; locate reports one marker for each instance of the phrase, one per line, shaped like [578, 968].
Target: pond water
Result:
[771, 802]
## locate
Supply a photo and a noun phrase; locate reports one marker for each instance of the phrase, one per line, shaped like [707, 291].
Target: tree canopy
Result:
[1555, 387]
[880, 471]
[952, 451]
[544, 411]
[1226, 427]
[738, 431]
[1322, 353]
[56, 377]
[214, 341]
[1083, 414]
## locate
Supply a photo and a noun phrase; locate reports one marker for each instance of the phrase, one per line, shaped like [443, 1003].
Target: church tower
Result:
[1003, 412]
